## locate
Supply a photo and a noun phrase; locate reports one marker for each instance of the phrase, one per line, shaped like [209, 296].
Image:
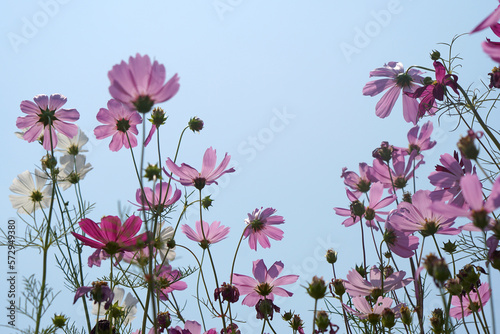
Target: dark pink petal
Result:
[490, 20]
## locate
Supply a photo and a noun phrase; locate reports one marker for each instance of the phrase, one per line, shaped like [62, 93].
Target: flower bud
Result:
[406, 315]
[322, 321]
[384, 152]
[206, 202]
[195, 124]
[296, 323]
[357, 208]
[331, 256]
[152, 172]
[115, 311]
[468, 277]
[163, 320]
[229, 293]
[158, 117]
[317, 288]
[435, 55]
[287, 316]
[437, 321]
[494, 78]
[59, 321]
[48, 162]
[427, 81]
[449, 247]
[467, 146]
[453, 286]
[265, 308]
[338, 287]
[388, 318]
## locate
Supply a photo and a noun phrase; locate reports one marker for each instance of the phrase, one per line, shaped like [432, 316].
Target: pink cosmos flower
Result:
[471, 305]
[168, 280]
[402, 172]
[420, 142]
[420, 216]
[265, 284]
[210, 234]
[119, 123]
[159, 199]
[435, 91]
[351, 213]
[447, 177]
[356, 285]
[259, 227]
[139, 84]
[476, 209]
[359, 183]
[399, 243]
[190, 327]
[365, 310]
[46, 116]
[397, 81]
[188, 176]
[110, 235]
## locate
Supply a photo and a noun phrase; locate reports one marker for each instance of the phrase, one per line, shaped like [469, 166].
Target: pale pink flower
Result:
[45, 116]
[365, 310]
[110, 235]
[419, 216]
[190, 327]
[356, 285]
[399, 243]
[359, 183]
[266, 283]
[119, 123]
[188, 176]
[447, 177]
[402, 172]
[210, 234]
[471, 305]
[162, 197]
[397, 81]
[420, 141]
[353, 218]
[259, 227]
[139, 84]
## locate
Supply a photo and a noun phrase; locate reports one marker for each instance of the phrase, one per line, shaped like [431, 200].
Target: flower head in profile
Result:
[158, 199]
[396, 80]
[356, 285]
[188, 176]
[139, 84]
[266, 283]
[473, 303]
[44, 117]
[119, 123]
[31, 195]
[110, 235]
[260, 227]
[168, 280]
[209, 234]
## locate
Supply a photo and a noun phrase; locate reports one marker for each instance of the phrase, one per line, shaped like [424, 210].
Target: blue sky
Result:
[278, 85]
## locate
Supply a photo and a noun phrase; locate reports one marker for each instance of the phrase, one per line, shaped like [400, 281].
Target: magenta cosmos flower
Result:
[158, 199]
[119, 123]
[356, 285]
[188, 176]
[490, 21]
[210, 234]
[259, 227]
[397, 80]
[475, 208]
[430, 93]
[419, 216]
[139, 84]
[168, 280]
[265, 284]
[110, 235]
[474, 304]
[45, 116]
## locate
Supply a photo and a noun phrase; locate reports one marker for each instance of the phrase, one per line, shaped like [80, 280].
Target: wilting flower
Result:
[46, 116]
[397, 81]
[139, 84]
[472, 303]
[111, 235]
[73, 170]
[119, 123]
[265, 284]
[99, 293]
[72, 146]
[435, 91]
[420, 216]
[128, 305]
[210, 234]
[259, 227]
[34, 195]
[227, 292]
[447, 177]
[356, 285]
[168, 280]
[188, 176]
[161, 197]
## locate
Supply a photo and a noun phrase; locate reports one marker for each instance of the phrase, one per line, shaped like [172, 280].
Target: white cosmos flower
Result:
[73, 169]
[128, 304]
[165, 234]
[33, 195]
[72, 146]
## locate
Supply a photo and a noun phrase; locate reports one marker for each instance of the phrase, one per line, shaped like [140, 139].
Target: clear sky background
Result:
[278, 85]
